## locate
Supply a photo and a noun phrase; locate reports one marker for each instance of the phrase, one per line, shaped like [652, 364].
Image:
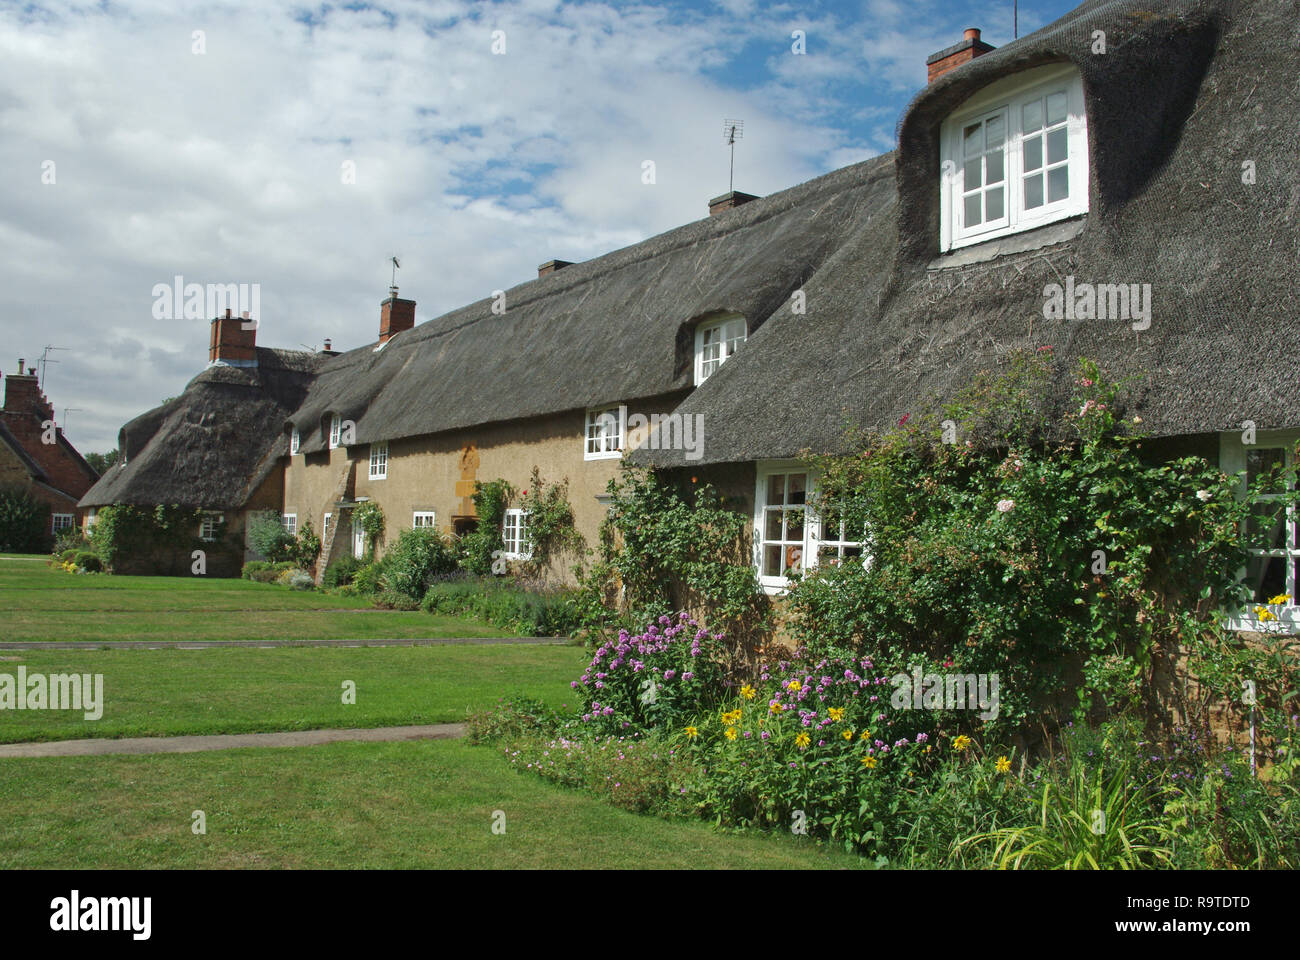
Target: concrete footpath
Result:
[289, 738]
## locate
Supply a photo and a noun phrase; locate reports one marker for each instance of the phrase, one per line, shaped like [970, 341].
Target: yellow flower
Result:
[733, 717]
[1264, 613]
[1003, 765]
[748, 692]
[836, 713]
[847, 735]
[692, 733]
[794, 685]
[802, 740]
[865, 734]
[960, 743]
[731, 733]
[1280, 598]
[776, 708]
[869, 762]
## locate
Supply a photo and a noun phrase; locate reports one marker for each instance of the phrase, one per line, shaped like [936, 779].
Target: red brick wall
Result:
[25, 412]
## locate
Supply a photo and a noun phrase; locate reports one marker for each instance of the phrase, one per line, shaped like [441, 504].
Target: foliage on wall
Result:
[24, 521]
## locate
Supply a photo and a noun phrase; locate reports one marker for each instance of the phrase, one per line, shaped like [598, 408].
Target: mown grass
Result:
[251, 690]
[39, 602]
[427, 804]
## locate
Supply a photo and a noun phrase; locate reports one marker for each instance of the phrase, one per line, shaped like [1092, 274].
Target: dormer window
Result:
[1014, 157]
[336, 430]
[715, 342]
[295, 442]
[605, 433]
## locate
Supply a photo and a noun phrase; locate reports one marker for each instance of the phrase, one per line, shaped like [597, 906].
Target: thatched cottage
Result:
[1120, 185]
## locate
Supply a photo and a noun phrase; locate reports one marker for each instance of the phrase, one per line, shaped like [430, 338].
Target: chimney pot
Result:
[970, 47]
[728, 201]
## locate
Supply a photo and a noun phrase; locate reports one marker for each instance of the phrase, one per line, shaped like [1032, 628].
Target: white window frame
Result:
[379, 461]
[1232, 460]
[358, 541]
[91, 515]
[1007, 98]
[727, 344]
[69, 520]
[290, 521]
[295, 442]
[605, 436]
[811, 542]
[325, 526]
[336, 430]
[514, 535]
[424, 520]
[208, 525]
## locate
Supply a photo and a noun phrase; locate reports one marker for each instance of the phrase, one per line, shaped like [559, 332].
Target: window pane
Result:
[1033, 116]
[772, 525]
[798, 482]
[973, 140]
[973, 170]
[771, 561]
[794, 525]
[993, 173]
[776, 489]
[1267, 576]
[1033, 191]
[1057, 145]
[794, 559]
[1033, 153]
[973, 210]
[1266, 525]
[1055, 107]
[993, 132]
[1262, 460]
[1058, 184]
[994, 204]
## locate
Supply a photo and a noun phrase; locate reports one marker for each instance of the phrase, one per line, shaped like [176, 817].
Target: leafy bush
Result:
[653, 679]
[412, 563]
[24, 522]
[88, 561]
[512, 718]
[479, 545]
[526, 612]
[369, 578]
[252, 567]
[70, 538]
[341, 572]
[302, 580]
[369, 517]
[269, 538]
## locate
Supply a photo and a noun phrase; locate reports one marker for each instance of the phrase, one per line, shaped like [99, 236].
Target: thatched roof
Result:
[214, 444]
[614, 329]
[1185, 93]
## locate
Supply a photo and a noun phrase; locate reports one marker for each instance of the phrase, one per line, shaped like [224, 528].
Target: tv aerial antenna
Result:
[45, 358]
[733, 130]
[392, 285]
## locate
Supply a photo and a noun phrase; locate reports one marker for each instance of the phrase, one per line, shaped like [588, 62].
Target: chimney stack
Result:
[728, 201]
[229, 344]
[970, 47]
[395, 315]
[550, 266]
[23, 394]
[327, 346]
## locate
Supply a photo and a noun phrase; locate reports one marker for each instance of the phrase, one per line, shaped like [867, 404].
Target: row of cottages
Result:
[1120, 145]
[35, 456]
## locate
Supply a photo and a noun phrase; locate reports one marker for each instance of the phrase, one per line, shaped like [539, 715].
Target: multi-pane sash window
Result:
[835, 541]
[782, 517]
[62, 521]
[514, 535]
[208, 526]
[294, 441]
[336, 430]
[325, 526]
[424, 519]
[378, 461]
[291, 524]
[1015, 156]
[1271, 530]
[605, 434]
[715, 343]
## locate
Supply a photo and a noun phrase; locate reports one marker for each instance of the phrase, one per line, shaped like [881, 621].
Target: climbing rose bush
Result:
[651, 680]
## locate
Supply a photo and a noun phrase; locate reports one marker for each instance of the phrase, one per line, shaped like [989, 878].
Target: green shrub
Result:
[369, 578]
[501, 602]
[66, 556]
[269, 538]
[24, 522]
[412, 563]
[302, 580]
[341, 572]
[88, 561]
[482, 545]
[252, 567]
[512, 717]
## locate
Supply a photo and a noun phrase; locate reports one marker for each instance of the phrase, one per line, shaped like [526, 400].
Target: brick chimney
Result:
[395, 315]
[729, 200]
[230, 344]
[23, 395]
[950, 58]
[550, 266]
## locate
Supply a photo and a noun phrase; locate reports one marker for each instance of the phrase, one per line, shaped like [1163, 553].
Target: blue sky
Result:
[224, 165]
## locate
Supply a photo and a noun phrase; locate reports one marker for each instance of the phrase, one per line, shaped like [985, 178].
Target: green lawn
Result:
[250, 690]
[347, 805]
[44, 603]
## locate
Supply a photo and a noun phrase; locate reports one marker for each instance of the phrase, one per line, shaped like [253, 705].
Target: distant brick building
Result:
[36, 455]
